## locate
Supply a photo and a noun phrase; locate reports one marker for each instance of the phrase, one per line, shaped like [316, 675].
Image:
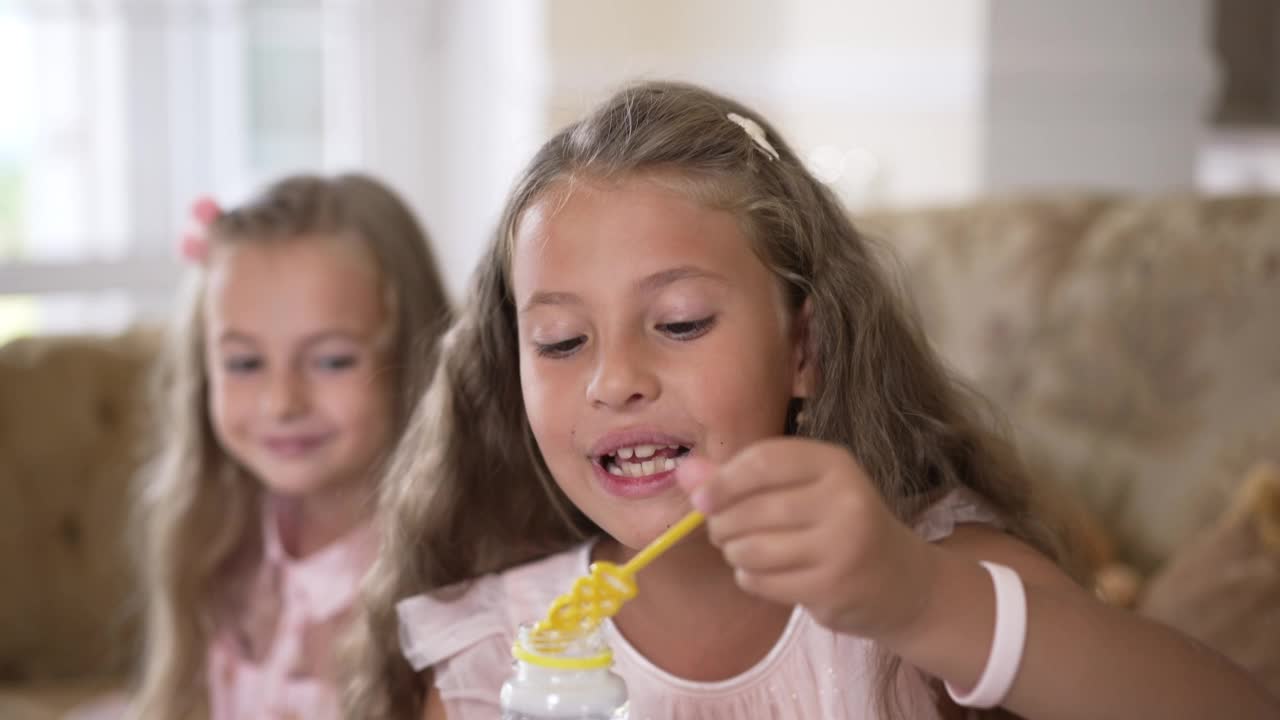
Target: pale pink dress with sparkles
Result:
[275, 656]
[272, 657]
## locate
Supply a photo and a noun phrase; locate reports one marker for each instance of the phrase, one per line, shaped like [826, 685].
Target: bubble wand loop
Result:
[602, 592]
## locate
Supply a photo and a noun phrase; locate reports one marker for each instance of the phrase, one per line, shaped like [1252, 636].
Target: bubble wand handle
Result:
[660, 544]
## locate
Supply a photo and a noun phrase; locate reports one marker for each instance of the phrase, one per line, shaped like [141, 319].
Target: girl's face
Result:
[649, 331]
[295, 338]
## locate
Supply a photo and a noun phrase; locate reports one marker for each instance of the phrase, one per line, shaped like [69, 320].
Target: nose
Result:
[285, 396]
[623, 377]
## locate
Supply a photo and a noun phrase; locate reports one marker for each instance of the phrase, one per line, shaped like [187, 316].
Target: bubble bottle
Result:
[563, 664]
[563, 681]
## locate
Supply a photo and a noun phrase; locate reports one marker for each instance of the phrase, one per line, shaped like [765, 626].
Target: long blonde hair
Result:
[197, 509]
[469, 493]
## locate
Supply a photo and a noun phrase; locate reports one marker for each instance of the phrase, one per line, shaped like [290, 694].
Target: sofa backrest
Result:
[1133, 343]
[71, 413]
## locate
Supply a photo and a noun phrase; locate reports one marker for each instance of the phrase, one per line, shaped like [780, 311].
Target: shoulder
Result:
[439, 624]
[982, 542]
[962, 522]
[445, 623]
[464, 633]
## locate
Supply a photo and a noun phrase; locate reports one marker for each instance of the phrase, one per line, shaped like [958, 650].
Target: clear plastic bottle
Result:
[573, 683]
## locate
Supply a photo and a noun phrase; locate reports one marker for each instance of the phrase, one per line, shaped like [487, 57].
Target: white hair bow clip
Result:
[756, 132]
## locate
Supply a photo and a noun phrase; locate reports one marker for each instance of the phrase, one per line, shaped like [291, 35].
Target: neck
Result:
[691, 618]
[308, 524]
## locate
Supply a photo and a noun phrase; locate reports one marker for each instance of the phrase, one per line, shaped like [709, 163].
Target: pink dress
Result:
[275, 659]
[811, 672]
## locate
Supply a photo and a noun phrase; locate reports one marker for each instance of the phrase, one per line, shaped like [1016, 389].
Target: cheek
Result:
[719, 399]
[538, 408]
[228, 409]
[548, 400]
[742, 394]
[365, 401]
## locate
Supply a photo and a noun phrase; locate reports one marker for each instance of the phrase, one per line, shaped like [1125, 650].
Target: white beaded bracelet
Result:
[1007, 645]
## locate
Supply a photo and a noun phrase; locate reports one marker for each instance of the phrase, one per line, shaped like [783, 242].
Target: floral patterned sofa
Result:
[1133, 344]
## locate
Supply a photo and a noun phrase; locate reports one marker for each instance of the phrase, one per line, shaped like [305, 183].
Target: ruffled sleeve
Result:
[464, 635]
[439, 625]
[957, 507]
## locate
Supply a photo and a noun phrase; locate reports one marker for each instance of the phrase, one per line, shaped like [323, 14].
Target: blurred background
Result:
[115, 114]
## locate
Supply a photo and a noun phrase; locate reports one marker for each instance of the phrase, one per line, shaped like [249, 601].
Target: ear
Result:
[803, 357]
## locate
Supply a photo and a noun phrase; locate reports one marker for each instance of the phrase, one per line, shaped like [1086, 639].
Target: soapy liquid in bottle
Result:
[572, 681]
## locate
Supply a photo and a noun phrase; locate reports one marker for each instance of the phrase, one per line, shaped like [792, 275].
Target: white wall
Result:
[453, 96]
[920, 101]
[886, 96]
[1096, 93]
[490, 111]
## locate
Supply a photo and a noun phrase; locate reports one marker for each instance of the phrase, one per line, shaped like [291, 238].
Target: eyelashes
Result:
[689, 329]
[242, 364]
[683, 331]
[334, 363]
[561, 349]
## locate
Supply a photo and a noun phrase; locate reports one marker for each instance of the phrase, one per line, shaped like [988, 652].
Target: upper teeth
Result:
[642, 451]
[644, 463]
[641, 469]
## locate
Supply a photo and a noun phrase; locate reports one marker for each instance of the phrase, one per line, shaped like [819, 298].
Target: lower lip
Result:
[632, 488]
[294, 448]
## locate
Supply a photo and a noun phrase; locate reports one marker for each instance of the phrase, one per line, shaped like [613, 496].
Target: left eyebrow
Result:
[661, 279]
[326, 335]
[550, 298]
[645, 285]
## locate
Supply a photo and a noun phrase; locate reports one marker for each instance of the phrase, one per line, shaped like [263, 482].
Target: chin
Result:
[297, 488]
[642, 527]
[293, 480]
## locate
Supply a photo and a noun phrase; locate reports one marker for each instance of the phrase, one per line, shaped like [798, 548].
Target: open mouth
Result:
[639, 461]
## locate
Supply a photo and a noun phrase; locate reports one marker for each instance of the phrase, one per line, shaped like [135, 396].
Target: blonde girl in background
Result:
[308, 332]
[676, 314]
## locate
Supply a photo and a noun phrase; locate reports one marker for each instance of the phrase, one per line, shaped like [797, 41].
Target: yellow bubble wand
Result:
[602, 592]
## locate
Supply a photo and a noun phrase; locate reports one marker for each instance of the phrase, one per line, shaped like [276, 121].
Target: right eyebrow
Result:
[550, 298]
[235, 336]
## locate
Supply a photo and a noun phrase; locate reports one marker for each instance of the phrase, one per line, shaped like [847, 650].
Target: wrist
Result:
[919, 603]
[945, 578]
[961, 633]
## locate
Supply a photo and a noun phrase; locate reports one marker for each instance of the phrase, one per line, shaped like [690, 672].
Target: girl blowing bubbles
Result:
[675, 314]
[309, 333]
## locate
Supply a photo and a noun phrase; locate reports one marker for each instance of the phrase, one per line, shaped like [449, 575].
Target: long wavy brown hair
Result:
[469, 492]
[197, 508]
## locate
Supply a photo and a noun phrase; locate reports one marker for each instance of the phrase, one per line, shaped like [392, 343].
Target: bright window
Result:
[116, 113]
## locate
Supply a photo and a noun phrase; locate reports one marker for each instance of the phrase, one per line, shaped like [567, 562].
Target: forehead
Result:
[298, 285]
[631, 227]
